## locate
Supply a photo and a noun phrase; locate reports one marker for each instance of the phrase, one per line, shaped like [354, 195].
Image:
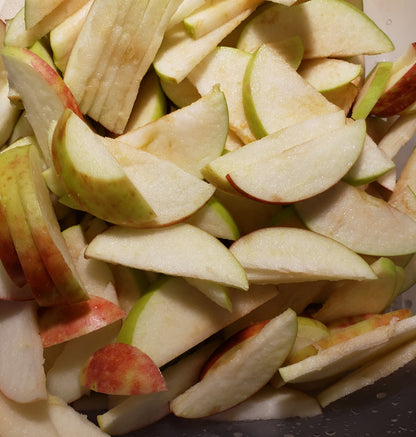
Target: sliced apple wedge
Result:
[352, 298]
[131, 32]
[267, 147]
[364, 223]
[22, 377]
[171, 64]
[45, 228]
[371, 90]
[122, 369]
[136, 412]
[163, 338]
[190, 137]
[62, 323]
[75, 149]
[368, 373]
[303, 170]
[14, 413]
[278, 255]
[328, 28]
[38, 278]
[28, 74]
[351, 354]
[242, 373]
[270, 403]
[276, 96]
[187, 251]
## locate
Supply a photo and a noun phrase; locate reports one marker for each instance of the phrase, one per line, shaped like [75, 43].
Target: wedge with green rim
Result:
[104, 190]
[276, 96]
[165, 337]
[332, 28]
[187, 251]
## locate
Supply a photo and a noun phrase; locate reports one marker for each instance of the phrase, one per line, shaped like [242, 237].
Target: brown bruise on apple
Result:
[122, 369]
[65, 322]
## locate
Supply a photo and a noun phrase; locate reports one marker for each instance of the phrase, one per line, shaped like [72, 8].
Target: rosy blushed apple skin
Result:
[231, 342]
[64, 322]
[122, 369]
[51, 76]
[400, 96]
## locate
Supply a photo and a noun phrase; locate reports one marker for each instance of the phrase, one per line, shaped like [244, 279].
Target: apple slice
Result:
[22, 378]
[225, 66]
[136, 412]
[122, 369]
[372, 89]
[14, 413]
[368, 373]
[400, 89]
[270, 403]
[370, 165]
[62, 378]
[63, 36]
[328, 28]
[279, 255]
[276, 96]
[215, 219]
[216, 292]
[44, 93]
[180, 94]
[62, 323]
[75, 148]
[106, 84]
[38, 278]
[70, 422]
[243, 373]
[357, 220]
[352, 298]
[9, 290]
[45, 228]
[301, 171]
[326, 74]
[190, 137]
[210, 16]
[18, 35]
[267, 147]
[163, 338]
[171, 64]
[351, 354]
[187, 251]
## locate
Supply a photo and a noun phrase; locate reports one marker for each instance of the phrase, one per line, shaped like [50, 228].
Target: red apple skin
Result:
[51, 77]
[122, 369]
[8, 254]
[232, 342]
[64, 322]
[400, 96]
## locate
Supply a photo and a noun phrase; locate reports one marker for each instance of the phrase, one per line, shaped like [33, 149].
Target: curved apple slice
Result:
[304, 170]
[245, 371]
[278, 255]
[101, 187]
[187, 251]
[328, 28]
[122, 369]
[364, 223]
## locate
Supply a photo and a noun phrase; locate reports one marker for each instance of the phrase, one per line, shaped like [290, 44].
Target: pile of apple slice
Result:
[200, 212]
